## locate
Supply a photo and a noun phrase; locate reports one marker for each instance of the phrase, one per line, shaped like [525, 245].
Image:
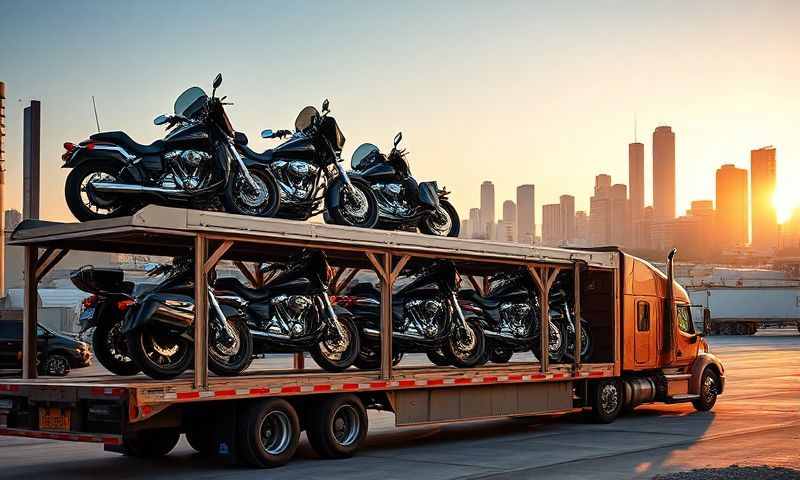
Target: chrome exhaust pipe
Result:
[371, 332]
[107, 187]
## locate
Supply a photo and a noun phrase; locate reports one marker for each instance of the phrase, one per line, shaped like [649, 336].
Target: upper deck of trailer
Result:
[156, 230]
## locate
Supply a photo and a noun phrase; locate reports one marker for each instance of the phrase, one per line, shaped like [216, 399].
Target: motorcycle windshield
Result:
[305, 118]
[362, 156]
[190, 102]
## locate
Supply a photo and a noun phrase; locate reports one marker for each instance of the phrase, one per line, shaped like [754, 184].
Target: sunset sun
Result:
[785, 202]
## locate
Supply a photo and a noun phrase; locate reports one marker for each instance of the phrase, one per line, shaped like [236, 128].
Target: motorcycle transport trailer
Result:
[256, 418]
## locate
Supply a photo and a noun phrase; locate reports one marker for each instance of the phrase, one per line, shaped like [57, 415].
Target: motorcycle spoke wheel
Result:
[355, 206]
[439, 222]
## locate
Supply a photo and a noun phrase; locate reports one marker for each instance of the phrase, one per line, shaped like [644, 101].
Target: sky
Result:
[512, 92]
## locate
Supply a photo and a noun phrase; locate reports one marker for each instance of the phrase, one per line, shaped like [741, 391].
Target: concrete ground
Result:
[756, 422]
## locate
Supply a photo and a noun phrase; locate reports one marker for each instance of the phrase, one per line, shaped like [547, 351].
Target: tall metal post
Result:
[30, 160]
[2, 189]
[29, 313]
[387, 283]
[201, 313]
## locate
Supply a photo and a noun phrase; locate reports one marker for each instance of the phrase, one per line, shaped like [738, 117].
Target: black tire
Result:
[151, 443]
[341, 215]
[111, 350]
[450, 227]
[141, 347]
[466, 352]
[56, 365]
[557, 346]
[500, 354]
[203, 440]
[369, 358]
[238, 198]
[268, 433]
[438, 358]
[327, 359]
[607, 399]
[338, 426]
[709, 389]
[75, 184]
[234, 360]
[586, 344]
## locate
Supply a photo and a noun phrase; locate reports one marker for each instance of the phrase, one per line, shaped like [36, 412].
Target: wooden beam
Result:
[475, 284]
[387, 283]
[215, 257]
[49, 260]
[378, 266]
[299, 361]
[399, 267]
[246, 272]
[200, 313]
[337, 273]
[576, 289]
[344, 283]
[30, 313]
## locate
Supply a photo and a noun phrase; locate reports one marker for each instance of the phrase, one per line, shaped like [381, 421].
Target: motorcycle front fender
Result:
[173, 310]
[333, 193]
[428, 195]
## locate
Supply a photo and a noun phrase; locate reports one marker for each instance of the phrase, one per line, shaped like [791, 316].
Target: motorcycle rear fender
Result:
[335, 188]
[142, 314]
[83, 155]
[428, 194]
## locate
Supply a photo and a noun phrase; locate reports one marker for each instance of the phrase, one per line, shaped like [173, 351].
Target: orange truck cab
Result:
[664, 358]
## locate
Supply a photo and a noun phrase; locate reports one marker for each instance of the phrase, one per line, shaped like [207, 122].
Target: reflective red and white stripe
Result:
[66, 436]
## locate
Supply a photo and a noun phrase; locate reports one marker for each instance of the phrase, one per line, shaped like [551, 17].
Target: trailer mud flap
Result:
[414, 407]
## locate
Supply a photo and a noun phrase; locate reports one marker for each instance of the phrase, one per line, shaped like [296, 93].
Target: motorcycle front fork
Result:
[326, 302]
[460, 314]
[242, 166]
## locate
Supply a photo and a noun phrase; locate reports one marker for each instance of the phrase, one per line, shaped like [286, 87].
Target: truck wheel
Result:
[338, 426]
[203, 441]
[268, 433]
[151, 443]
[709, 388]
[606, 401]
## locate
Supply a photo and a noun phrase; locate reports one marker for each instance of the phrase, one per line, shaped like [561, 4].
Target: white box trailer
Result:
[743, 310]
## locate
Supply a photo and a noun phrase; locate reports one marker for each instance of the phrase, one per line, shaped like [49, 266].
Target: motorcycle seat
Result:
[474, 297]
[234, 285]
[123, 140]
[248, 152]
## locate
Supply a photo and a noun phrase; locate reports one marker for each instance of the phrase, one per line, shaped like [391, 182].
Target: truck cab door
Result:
[644, 333]
[686, 339]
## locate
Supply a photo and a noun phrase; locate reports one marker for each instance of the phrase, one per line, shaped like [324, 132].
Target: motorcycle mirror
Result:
[217, 81]
[267, 133]
[325, 105]
[160, 120]
[397, 138]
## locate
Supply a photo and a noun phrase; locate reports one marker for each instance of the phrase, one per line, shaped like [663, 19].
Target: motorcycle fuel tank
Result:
[191, 134]
[299, 147]
[379, 172]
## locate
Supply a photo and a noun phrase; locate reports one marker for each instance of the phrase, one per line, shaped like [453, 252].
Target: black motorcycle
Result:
[309, 173]
[402, 202]
[562, 302]
[104, 312]
[159, 327]
[510, 315]
[293, 312]
[196, 165]
[426, 317]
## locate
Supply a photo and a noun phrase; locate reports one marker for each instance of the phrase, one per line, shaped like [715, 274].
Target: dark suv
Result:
[56, 353]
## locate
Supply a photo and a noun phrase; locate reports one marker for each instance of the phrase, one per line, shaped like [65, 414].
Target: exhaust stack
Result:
[669, 302]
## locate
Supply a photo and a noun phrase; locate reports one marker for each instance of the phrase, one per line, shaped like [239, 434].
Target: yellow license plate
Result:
[53, 418]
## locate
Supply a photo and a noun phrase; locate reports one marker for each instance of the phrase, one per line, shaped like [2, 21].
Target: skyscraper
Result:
[567, 203]
[600, 211]
[618, 214]
[487, 207]
[732, 211]
[510, 220]
[526, 214]
[664, 173]
[476, 224]
[581, 228]
[551, 224]
[636, 190]
[762, 189]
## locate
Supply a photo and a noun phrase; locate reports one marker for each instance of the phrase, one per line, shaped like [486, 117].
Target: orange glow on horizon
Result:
[785, 202]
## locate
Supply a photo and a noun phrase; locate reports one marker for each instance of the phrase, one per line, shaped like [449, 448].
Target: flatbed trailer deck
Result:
[120, 411]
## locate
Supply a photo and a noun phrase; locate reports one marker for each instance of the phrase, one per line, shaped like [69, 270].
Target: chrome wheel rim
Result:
[354, 204]
[439, 222]
[609, 398]
[555, 338]
[335, 346]
[164, 353]
[276, 432]
[346, 425]
[466, 341]
[95, 203]
[115, 344]
[247, 199]
[709, 389]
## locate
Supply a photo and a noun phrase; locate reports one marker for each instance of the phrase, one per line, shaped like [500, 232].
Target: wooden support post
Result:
[48, 260]
[347, 279]
[299, 361]
[544, 278]
[215, 257]
[30, 313]
[399, 267]
[247, 273]
[477, 286]
[201, 313]
[576, 287]
[384, 271]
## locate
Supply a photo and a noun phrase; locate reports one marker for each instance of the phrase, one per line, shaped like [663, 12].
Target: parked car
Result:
[57, 353]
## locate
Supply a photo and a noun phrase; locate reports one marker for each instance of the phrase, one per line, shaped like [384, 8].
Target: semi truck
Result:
[743, 310]
[646, 348]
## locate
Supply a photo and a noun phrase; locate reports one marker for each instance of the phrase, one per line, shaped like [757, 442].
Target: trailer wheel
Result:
[709, 388]
[151, 443]
[607, 399]
[337, 426]
[268, 433]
